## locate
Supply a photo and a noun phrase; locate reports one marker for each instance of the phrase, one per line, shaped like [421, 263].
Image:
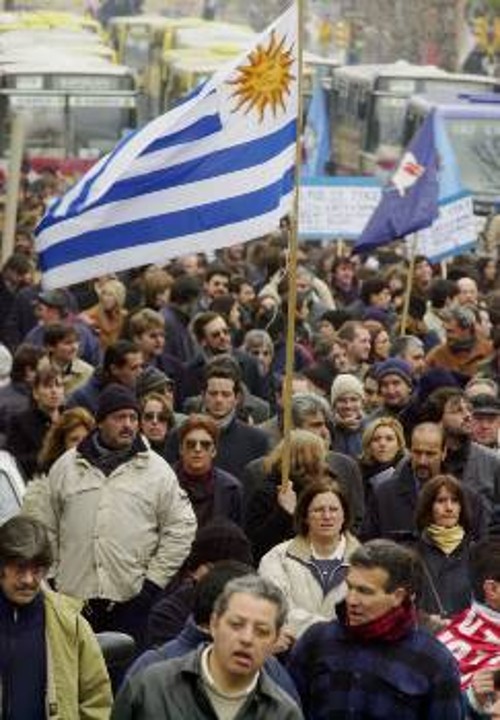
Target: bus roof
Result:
[399, 69]
[64, 65]
[461, 104]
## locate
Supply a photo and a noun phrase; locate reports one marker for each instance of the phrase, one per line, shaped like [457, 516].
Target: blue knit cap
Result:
[395, 366]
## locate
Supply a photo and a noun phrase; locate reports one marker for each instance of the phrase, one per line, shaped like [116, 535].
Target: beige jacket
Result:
[289, 566]
[78, 684]
[111, 533]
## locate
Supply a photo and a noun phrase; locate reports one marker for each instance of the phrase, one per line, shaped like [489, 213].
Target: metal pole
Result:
[13, 179]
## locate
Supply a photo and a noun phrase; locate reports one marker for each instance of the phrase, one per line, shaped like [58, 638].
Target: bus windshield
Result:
[476, 143]
[387, 123]
[95, 130]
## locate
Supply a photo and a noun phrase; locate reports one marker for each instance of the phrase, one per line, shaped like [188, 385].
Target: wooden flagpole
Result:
[292, 267]
[409, 284]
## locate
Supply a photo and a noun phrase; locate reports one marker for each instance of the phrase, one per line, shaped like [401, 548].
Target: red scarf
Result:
[473, 638]
[392, 626]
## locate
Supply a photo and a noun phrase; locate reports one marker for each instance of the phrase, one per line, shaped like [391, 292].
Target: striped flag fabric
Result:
[216, 170]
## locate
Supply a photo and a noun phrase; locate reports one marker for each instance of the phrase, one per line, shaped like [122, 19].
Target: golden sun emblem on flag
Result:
[266, 80]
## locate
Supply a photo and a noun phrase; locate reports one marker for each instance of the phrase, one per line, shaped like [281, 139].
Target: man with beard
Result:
[391, 508]
[119, 523]
[462, 352]
[478, 467]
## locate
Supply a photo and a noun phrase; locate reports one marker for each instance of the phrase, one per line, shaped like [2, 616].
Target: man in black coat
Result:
[238, 443]
[213, 337]
[391, 510]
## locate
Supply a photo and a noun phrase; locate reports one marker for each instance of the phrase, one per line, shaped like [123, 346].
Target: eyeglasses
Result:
[219, 333]
[21, 568]
[192, 444]
[155, 416]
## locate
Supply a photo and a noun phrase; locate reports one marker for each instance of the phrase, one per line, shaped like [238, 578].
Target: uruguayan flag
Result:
[216, 170]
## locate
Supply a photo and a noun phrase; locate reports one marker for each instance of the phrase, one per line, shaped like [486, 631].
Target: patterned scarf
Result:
[392, 626]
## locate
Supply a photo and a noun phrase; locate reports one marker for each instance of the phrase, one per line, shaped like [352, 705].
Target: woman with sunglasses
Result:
[157, 420]
[213, 492]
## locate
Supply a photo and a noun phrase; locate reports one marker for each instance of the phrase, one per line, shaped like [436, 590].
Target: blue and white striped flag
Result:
[216, 170]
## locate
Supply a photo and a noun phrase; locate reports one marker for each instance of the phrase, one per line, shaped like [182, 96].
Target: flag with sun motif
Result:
[216, 170]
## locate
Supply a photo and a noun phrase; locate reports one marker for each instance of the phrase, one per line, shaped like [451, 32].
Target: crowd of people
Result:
[145, 412]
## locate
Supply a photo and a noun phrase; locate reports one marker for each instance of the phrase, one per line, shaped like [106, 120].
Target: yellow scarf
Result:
[447, 539]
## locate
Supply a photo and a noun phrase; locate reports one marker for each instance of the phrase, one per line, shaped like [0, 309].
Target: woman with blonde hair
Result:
[270, 506]
[310, 569]
[107, 317]
[383, 446]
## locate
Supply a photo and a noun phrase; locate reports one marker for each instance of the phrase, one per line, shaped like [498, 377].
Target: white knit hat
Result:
[346, 384]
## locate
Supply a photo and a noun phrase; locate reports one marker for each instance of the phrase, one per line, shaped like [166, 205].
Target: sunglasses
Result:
[205, 445]
[155, 416]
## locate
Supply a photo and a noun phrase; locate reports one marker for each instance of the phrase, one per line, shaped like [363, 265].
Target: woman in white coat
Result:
[311, 568]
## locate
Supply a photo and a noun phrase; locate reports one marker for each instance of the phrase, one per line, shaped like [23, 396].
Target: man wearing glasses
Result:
[213, 337]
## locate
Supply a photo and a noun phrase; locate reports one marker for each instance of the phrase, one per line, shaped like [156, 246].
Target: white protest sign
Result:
[453, 233]
[336, 207]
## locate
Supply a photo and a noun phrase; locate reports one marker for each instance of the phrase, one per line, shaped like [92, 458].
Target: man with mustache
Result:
[50, 661]
[119, 523]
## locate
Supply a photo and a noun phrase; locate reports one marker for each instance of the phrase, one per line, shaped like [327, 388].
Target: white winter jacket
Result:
[289, 565]
[111, 533]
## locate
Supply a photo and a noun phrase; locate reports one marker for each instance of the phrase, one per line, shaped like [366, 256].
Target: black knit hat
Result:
[219, 540]
[116, 397]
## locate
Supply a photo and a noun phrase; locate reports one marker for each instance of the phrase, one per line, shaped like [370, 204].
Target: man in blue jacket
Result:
[373, 663]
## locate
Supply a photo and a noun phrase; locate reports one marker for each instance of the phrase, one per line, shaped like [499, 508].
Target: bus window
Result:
[95, 124]
[44, 123]
[476, 143]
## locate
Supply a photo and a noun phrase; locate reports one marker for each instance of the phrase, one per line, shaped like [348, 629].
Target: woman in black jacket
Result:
[443, 521]
[27, 430]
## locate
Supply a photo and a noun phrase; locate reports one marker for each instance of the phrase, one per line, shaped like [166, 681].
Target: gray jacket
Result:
[173, 690]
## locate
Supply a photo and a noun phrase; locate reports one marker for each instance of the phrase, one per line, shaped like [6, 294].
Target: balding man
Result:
[468, 293]
[391, 510]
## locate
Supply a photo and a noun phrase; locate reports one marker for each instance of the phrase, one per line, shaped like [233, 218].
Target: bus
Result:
[74, 110]
[367, 111]
[472, 126]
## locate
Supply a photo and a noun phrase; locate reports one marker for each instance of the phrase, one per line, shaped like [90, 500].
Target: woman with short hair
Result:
[213, 492]
[310, 569]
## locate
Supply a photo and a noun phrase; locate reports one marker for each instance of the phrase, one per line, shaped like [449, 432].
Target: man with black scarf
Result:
[119, 523]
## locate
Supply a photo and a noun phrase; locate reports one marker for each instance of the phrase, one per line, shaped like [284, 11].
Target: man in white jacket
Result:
[119, 523]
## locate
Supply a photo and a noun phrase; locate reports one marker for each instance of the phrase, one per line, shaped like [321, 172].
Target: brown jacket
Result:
[464, 362]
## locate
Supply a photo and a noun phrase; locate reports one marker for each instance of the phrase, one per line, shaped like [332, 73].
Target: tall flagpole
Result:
[292, 267]
[409, 284]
